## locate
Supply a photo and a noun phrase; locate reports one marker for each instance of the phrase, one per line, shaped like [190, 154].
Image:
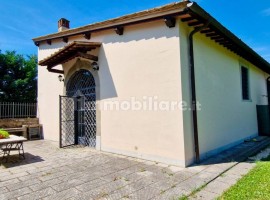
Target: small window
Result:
[245, 83]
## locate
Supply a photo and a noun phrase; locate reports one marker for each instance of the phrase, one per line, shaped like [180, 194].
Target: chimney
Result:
[63, 24]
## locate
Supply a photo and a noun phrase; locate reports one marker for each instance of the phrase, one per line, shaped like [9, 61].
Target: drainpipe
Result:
[193, 90]
[268, 92]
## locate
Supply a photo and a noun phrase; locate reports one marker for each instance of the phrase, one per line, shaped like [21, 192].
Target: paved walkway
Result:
[82, 173]
[222, 183]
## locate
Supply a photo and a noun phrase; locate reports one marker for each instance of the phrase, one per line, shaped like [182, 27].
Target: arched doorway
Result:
[78, 111]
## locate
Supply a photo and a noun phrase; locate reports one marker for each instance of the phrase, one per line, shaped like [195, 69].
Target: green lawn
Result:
[255, 185]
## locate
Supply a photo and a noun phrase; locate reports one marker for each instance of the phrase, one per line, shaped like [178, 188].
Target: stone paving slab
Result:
[222, 183]
[204, 195]
[38, 194]
[83, 173]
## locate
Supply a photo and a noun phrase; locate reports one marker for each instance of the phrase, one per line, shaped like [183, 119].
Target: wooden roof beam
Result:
[72, 56]
[184, 15]
[227, 42]
[83, 46]
[87, 35]
[87, 56]
[220, 39]
[55, 70]
[170, 21]
[223, 43]
[212, 34]
[216, 37]
[195, 23]
[187, 19]
[207, 31]
[65, 39]
[119, 30]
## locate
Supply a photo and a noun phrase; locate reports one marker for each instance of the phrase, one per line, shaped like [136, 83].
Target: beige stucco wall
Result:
[224, 119]
[149, 66]
[145, 61]
[49, 89]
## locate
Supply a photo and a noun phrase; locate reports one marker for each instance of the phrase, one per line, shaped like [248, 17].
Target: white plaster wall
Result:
[49, 89]
[148, 66]
[225, 118]
[145, 61]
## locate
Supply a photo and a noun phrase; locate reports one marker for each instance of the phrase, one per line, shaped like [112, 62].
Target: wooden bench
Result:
[15, 131]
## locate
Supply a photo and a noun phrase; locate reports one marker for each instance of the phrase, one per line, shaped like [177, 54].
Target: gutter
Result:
[193, 90]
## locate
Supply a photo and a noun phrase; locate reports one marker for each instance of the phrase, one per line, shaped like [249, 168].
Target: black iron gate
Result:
[67, 121]
[80, 104]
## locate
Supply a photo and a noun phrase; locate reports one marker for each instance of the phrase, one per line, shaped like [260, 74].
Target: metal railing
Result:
[17, 110]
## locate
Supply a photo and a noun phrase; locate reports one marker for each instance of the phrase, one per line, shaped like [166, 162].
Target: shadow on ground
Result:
[15, 160]
[240, 152]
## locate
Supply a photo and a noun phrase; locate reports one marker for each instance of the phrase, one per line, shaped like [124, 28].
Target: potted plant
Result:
[3, 134]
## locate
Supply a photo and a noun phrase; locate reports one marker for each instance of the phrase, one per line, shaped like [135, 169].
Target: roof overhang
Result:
[72, 50]
[158, 13]
[198, 17]
[190, 13]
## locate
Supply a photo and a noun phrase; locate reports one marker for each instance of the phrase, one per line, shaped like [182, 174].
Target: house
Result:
[170, 84]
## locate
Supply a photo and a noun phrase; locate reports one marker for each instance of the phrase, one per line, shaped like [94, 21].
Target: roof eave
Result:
[72, 50]
[251, 56]
[136, 18]
[177, 9]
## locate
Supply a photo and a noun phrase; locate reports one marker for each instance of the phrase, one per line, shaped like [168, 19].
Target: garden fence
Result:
[17, 110]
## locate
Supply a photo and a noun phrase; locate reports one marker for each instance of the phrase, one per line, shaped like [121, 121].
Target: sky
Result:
[22, 20]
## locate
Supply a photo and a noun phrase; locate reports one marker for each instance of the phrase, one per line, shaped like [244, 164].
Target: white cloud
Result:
[266, 56]
[266, 12]
[260, 49]
[16, 29]
[264, 51]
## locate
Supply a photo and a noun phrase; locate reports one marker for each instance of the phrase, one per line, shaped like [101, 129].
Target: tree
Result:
[18, 77]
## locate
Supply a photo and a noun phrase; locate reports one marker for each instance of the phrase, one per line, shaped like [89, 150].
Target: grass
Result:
[255, 185]
[183, 198]
[46, 174]
[142, 170]
[166, 172]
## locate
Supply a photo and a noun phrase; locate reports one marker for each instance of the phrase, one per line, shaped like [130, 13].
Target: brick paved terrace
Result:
[82, 173]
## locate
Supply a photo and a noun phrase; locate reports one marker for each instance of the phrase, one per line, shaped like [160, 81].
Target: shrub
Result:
[3, 134]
